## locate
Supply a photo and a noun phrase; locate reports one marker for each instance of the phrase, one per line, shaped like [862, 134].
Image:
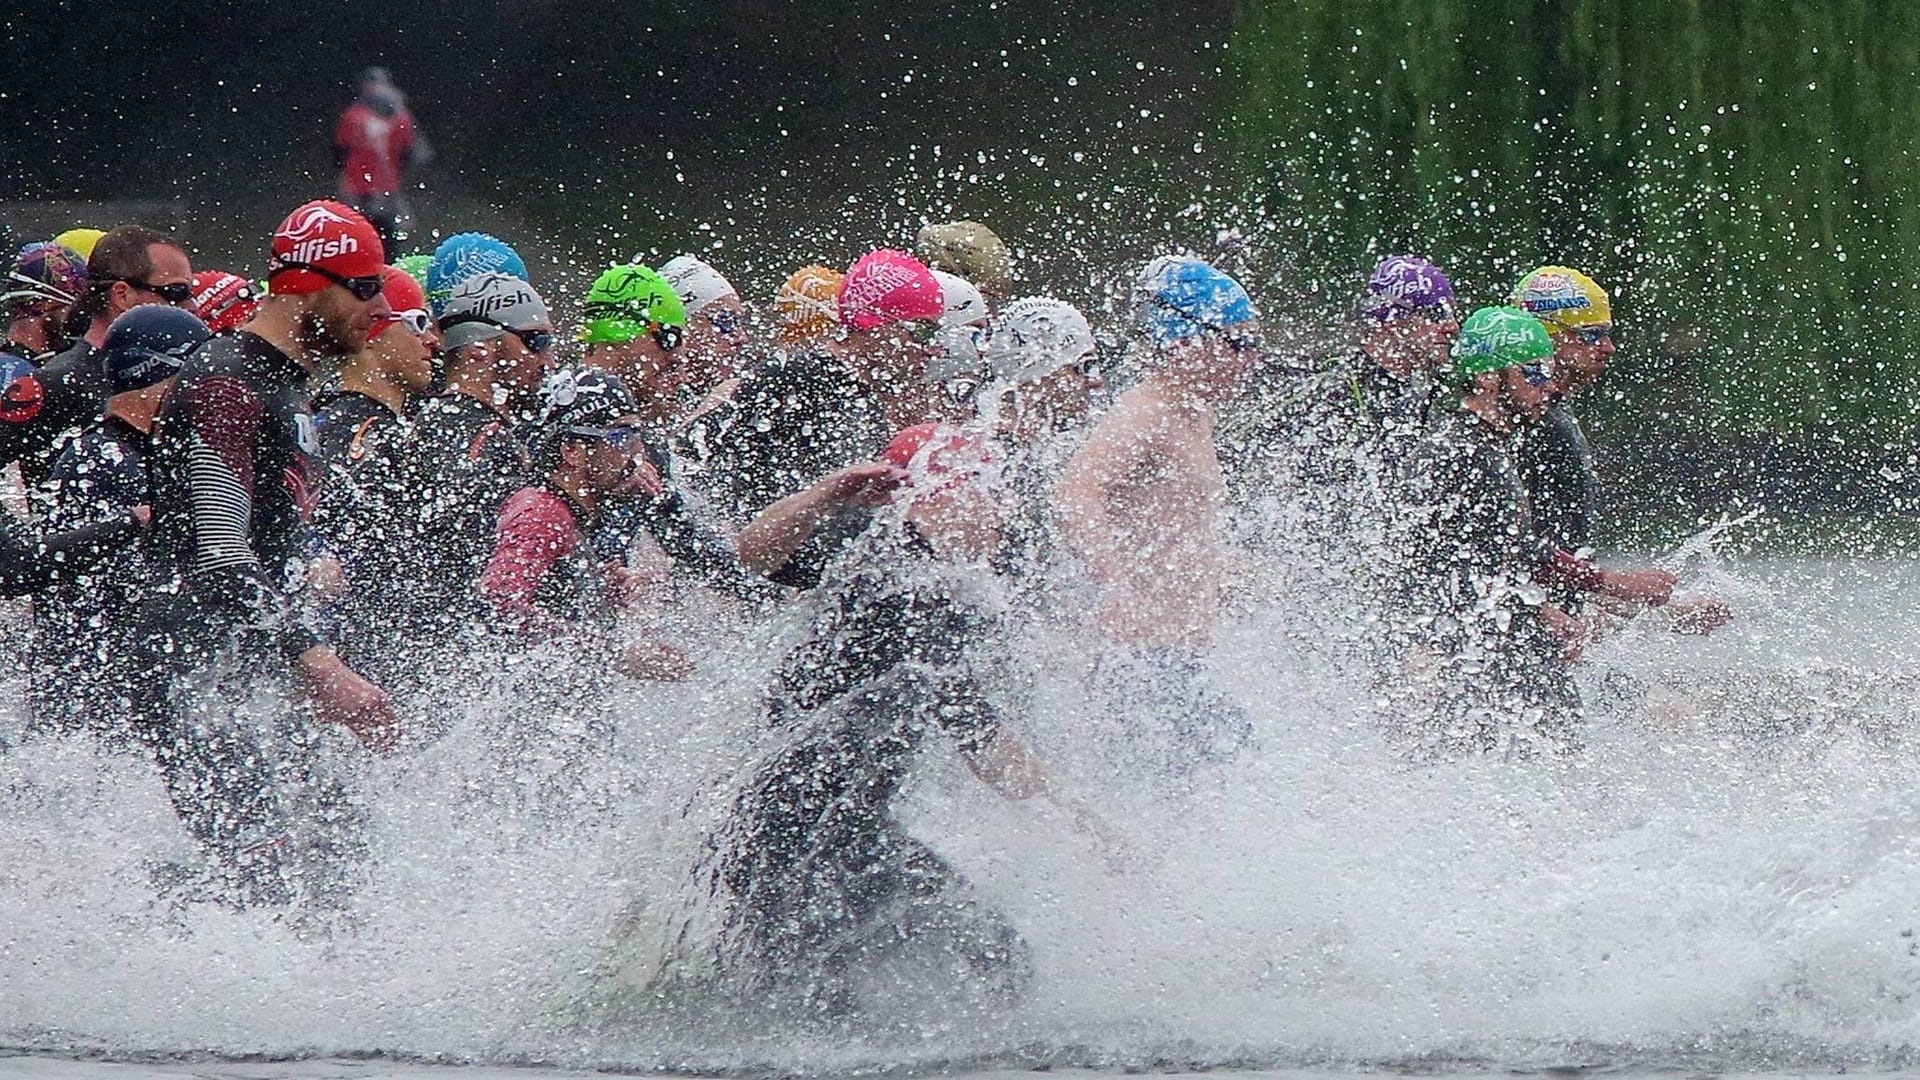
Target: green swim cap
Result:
[1497, 338]
[627, 301]
[415, 267]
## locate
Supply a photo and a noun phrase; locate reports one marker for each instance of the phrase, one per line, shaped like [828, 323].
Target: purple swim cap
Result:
[1403, 285]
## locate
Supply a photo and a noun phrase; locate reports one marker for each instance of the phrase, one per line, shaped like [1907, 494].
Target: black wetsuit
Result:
[1556, 464]
[1481, 673]
[75, 387]
[86, 673]
[688, 539]
[795, 419]
[231, 484]
[469, 460]
[824, 885]
[367, 517]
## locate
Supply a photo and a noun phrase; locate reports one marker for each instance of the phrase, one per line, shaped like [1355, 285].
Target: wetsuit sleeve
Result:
[27, 565]
[223, 418]
[699, 547]
[533, 535]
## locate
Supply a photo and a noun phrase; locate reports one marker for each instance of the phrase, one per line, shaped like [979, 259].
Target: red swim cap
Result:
[323, 233]
[406, 301]
[940, 450]
[223, 301]
[888, 286]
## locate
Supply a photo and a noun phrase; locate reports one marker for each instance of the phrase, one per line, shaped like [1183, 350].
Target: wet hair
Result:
[124, 252]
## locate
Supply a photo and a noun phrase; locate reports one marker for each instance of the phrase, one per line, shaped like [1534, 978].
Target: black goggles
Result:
[536, 341]
[667, 337]
[176, 293]
[364, 289]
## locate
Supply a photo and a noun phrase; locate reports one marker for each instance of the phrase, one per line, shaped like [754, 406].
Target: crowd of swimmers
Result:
[262, 519]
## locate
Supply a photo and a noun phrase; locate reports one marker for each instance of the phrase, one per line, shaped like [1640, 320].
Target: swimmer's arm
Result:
[768, 542]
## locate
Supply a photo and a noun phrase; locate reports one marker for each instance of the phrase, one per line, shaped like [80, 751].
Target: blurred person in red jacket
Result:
[375, 145]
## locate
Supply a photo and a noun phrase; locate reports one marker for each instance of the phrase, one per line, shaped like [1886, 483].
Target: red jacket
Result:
[375, 149]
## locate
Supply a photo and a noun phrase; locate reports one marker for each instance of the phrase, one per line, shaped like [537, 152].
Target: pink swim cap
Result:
[888, 286]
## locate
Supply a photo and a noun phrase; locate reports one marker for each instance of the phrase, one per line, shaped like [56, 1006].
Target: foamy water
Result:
[1724, 880]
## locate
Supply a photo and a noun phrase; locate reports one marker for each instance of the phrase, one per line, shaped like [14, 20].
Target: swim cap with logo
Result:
[45, 272]
[961, 303]
[325, 234]
[21, 393]
[224, 301]
[696, 283]
[1497, 338]
[960, 342]
[580, 402]
[147, 344]
[1563, 298]
[887, 286]
[463, 255]
[1035, 337]
[483, 305]
[415, 267]
[939, 456]
[1187, 297]
[966, 248]
[80, 241]
[1406, 285]
[627, 301]
[805, 304]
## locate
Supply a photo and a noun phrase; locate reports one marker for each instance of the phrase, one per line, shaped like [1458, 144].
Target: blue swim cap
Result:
[463, 255]
[1187, 297]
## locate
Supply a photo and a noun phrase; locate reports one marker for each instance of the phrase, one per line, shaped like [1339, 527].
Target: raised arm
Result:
[768, 542]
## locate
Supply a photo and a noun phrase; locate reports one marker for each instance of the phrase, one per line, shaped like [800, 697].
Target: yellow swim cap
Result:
[80, 241]
[1563, 298]
[969, 249]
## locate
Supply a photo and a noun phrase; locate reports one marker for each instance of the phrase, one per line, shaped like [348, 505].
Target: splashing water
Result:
[1724, 877]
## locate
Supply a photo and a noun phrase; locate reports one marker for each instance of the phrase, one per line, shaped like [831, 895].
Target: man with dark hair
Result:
[130, 266]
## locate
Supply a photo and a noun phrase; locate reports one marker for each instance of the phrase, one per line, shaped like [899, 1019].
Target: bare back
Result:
[1141, 504]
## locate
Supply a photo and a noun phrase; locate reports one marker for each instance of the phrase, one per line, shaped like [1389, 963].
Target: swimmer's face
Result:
[1580, 356]
[1529, 397]
[1062, 399]
[716, 335]
[1215, 362]
[1411, 343]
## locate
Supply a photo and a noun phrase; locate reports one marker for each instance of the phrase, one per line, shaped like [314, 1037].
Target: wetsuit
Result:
[823, 885]
[367, 519]
[683, 534]
[29, 564]
[86, 672]
[1556, 465]
[1479, 672]
[231, 481]
[543, 577]
[469, 461]
[75, 389]
[793, 420]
